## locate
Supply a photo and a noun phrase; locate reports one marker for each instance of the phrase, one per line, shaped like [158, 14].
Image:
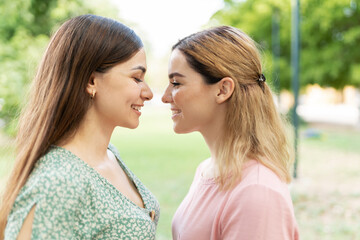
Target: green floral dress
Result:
[73, 201]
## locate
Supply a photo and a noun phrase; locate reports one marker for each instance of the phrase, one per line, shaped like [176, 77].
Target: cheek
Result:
[190, 98]
[136, 93]
[184, 97]
[116, 98]
[176, 96]
[198, 105]
[127, 94]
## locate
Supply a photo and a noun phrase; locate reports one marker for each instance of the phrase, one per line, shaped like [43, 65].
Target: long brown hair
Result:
[254, 129]
[58, 99]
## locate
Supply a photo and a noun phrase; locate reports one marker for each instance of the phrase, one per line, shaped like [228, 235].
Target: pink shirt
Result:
[259, 207]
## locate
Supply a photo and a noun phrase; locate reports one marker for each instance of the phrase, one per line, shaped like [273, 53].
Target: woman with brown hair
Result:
[216, 87]
[68, 182]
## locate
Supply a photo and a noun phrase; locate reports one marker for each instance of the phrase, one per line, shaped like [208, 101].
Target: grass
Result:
[345, 139]
[325, 195]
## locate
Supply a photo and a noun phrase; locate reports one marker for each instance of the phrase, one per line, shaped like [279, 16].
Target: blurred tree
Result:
[25, 29]
[330, 37]
[330, 33]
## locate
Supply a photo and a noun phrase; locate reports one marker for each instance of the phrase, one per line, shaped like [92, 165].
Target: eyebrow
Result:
[139, 68]
[174, 74]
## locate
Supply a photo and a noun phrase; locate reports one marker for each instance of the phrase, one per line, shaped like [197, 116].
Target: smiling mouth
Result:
[175, 112]
[137, 108]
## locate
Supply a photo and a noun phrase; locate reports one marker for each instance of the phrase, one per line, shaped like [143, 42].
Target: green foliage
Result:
[25, 29]
[329, 32]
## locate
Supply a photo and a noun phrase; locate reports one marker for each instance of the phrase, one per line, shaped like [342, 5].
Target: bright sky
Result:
[160, 23]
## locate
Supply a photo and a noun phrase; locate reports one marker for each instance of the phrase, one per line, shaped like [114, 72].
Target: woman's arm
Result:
[26, 229]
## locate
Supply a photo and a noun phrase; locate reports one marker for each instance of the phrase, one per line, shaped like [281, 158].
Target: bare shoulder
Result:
[26, 229]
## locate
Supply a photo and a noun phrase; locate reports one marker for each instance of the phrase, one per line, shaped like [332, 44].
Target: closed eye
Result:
[138, 79]
[175, 84]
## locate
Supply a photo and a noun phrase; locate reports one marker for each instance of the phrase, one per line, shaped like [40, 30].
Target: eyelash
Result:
[138, 80]
[175, 84]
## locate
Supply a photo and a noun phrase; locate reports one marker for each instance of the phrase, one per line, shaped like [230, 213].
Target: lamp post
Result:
[295, 57]
[275, 40]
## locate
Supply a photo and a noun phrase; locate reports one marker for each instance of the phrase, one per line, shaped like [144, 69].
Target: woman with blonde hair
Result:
[217, 87]
[68, 182]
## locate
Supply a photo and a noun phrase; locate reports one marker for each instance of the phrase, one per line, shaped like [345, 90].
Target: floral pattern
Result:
[73, 201]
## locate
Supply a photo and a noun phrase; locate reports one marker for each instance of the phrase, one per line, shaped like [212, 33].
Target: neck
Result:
[212, 140]
[213, 133]
[210, 170]
[90, 141]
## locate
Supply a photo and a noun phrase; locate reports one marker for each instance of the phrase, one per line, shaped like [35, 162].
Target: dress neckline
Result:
[212, 181]
[105, 181]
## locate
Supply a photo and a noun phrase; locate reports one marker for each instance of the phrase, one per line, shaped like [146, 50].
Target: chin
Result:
[134, 126]
[177, 131]
[180, 130]
[131, 125]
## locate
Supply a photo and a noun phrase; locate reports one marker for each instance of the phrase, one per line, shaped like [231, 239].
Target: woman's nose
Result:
[166, 98]
[146, 93]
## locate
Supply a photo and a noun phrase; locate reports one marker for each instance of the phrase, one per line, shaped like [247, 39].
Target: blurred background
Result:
[312, 63]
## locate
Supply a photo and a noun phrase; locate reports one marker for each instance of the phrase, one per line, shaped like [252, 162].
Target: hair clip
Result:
[262, 78]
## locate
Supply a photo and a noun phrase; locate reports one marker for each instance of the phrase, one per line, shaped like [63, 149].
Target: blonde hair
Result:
[58, 100]
[254, 129]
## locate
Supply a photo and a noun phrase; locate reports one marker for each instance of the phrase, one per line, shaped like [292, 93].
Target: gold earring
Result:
[93, 94]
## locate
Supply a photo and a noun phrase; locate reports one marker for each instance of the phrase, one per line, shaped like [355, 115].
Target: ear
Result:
[225, 88]
[90, 88]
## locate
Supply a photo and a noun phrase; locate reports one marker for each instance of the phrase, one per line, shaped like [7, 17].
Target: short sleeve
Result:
[59, 211]
[258, 212]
